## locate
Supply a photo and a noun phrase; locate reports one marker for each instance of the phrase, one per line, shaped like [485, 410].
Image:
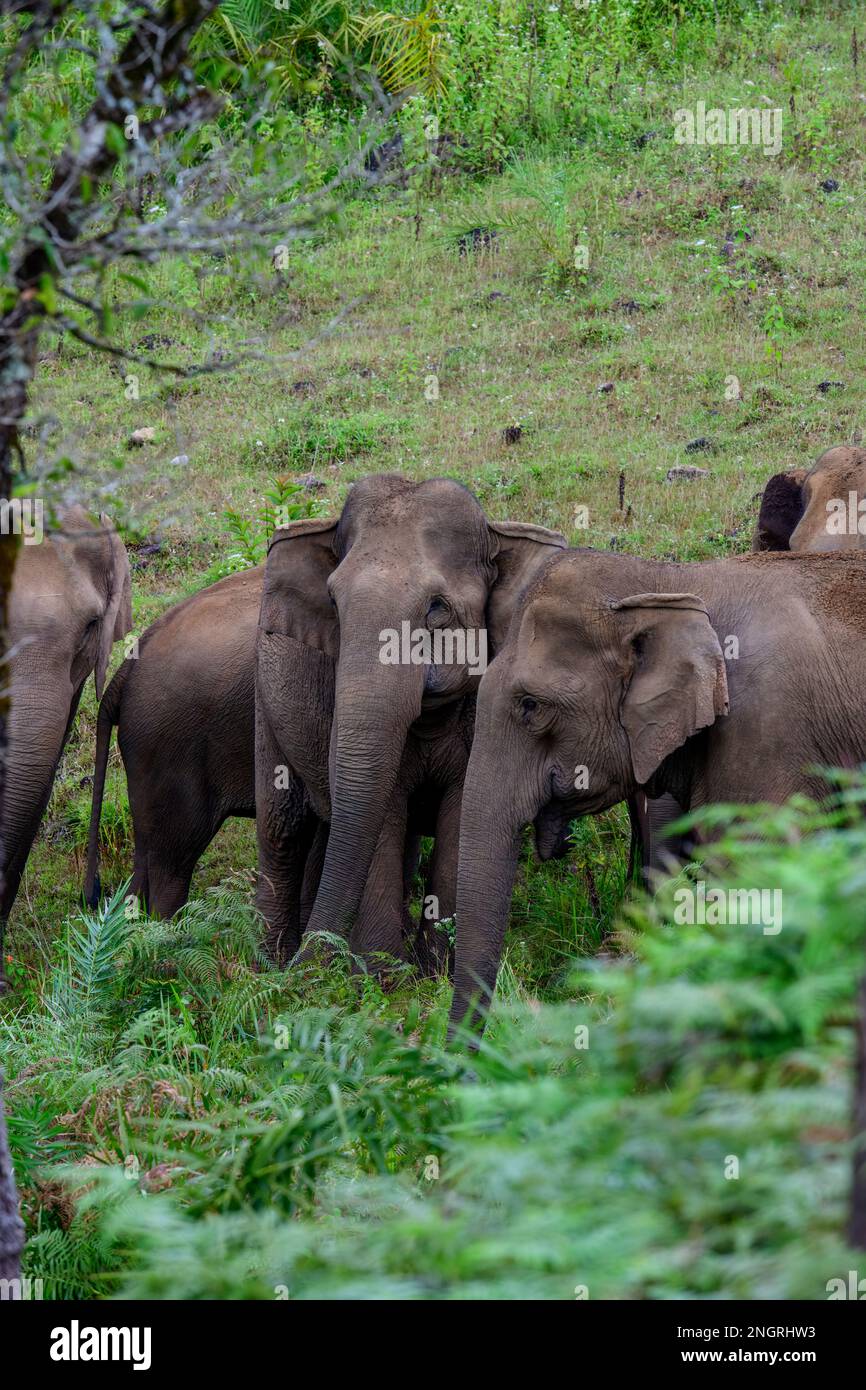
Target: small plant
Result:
[285, 501]
[776, 330]
[552, 221]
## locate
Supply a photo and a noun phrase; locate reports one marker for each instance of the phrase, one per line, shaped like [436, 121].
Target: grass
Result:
[708, 270]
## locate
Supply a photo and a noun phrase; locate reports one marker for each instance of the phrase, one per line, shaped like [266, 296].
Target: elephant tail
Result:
[108, 716]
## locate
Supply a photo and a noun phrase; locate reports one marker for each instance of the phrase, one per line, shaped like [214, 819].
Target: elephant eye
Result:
[535, 715]
[438, 611]
[529, 710]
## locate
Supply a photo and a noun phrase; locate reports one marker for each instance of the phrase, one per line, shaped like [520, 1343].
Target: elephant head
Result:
[408, 591]
[70, 601]
[594, 688]
[816, 508]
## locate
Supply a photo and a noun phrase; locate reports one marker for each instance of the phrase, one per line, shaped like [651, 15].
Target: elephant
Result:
[184, 707]
[71, 599]
[804, 509]
[723, 681]
[812, 509]
[404, 559]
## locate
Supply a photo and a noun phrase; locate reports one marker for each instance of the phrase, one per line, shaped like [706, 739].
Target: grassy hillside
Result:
[717, 325]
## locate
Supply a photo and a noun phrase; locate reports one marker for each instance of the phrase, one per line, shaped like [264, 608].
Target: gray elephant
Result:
[405, 560]
[184, 710]
[725, 681]
[817, 508]
[807, 509]
[70, 601]
[184, 707]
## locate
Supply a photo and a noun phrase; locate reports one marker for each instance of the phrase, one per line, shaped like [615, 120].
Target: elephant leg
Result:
[168, 884]
[440, 896]
[173, 824]
[652, 852]
[411, 860]
[313, 871]
[281, 877]
[285, 832]
[380, 928]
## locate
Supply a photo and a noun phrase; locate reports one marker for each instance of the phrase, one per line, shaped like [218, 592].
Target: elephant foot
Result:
[280, 945]
[431, 952]
[315, 950]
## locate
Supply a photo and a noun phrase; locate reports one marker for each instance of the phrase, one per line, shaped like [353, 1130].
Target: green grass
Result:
[515, 334]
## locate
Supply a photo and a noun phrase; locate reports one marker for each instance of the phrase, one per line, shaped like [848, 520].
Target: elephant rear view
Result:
[184, 711]
[70, 601]
[822, 508]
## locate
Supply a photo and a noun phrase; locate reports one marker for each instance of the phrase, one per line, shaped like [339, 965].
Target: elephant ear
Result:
[117, 618]
[677, 681]
[295, 598]
[782, 506]
[518, 550]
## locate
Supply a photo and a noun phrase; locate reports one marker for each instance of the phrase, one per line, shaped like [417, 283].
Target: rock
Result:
[702, 445]
[179, 460]
[384, 156]
[825, 387]
[829, 186]
[477, 239]
[150, 341]
[446, 150]
[686, 475]
[138, 438]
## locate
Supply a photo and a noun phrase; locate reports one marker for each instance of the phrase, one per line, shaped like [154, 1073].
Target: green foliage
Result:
[311, 45]
[284, 501]
[589, 1143]
[239, 1132]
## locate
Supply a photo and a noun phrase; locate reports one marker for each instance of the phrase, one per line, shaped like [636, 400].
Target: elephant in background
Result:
[385, 758]
[613, 681]
[70, 601]
[793, 515]
[794, 512]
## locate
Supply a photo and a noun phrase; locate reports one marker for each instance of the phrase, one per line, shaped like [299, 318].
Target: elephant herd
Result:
[412, 668]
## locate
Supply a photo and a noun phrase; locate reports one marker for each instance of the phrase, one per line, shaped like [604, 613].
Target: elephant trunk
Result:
[489, 846]
[374, 707]
[36, 739]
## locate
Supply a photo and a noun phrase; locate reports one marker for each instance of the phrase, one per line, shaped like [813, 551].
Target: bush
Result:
[693, 1142]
